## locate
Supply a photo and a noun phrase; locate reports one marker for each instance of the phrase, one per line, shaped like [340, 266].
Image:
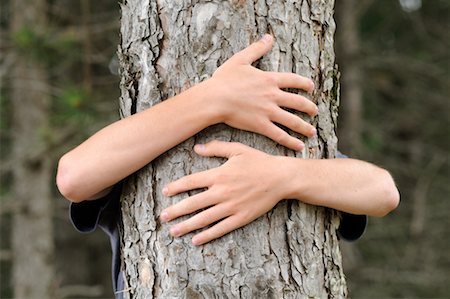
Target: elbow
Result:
[66, 180]
[390, 196]
[391, 201]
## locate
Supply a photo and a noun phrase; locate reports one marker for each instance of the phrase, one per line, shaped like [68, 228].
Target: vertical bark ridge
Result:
[292, 252]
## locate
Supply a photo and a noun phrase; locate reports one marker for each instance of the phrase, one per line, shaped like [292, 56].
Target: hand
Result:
[251, 99]
[247, 186]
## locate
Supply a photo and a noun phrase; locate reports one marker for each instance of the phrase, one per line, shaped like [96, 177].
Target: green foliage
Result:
[75, 106]
[48, 47]
[74, 99]
[25, 38]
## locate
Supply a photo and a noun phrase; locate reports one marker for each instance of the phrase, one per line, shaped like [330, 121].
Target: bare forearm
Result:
[251, 183]
[127, 145]
[347, 185]
[237, 94]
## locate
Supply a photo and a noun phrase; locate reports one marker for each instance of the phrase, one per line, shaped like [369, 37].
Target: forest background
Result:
[394, 59]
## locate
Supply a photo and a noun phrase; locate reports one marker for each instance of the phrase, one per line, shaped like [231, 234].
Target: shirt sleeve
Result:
[104, 212]
[352, 227]
[87, 215]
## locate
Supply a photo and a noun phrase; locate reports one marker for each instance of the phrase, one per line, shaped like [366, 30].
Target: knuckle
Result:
[200, 222]
[281, 137]
[187, 181]
[211, 144]
[224, 178]
[270, 111]
[301, 101]
[298, 77]
[236, 147]
[270, 79]
[309, 105]
[297, 125]
[246, 216]
[272, 94]
[219, 176]
[226, 192]
[220, 230]
[229, 207]
[258, 126]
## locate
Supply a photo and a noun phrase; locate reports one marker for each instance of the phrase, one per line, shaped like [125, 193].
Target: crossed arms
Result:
[251, 182]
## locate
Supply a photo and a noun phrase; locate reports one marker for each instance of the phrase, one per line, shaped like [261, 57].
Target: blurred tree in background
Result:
[397, 57]
[394, 60]
[57, 87]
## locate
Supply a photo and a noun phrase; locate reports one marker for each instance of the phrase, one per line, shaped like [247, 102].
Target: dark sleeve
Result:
[352, 227]
[104, 212]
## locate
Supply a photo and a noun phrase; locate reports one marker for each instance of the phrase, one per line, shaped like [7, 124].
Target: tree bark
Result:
[291, 252]
[32, 232]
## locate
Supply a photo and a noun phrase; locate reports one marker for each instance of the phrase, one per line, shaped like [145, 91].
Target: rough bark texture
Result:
[32, 232]
[292, 252]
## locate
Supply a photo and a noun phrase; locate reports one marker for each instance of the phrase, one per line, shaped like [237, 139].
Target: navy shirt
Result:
[105, 213]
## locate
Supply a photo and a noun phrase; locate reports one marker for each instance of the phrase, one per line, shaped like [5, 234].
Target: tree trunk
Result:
[292, 252]
[32, 232]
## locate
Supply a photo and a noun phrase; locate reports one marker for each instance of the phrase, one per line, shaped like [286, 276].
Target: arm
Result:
[237, 94]
[348, 185]
[251, 183]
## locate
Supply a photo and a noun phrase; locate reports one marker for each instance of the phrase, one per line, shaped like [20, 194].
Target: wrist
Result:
[197, 100]
[207, 93]
[295, 177]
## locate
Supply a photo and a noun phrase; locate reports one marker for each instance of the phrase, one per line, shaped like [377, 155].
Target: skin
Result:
[237, 94]
[251, 182]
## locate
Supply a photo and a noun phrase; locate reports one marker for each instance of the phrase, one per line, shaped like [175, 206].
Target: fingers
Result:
[220, 229]
[290, 80]
[297, 102]
[294, 123]
[254, 51]
[200, 220]
[190, 182]
[278, 135]
[219, 149]
[189, 205]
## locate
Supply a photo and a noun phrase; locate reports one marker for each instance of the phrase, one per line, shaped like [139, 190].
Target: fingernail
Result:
[175, 231]
[317, 110]
[199, 147]
[164, 216]
[266, 38]
[165, 191]
[313, 131]
[300, 146]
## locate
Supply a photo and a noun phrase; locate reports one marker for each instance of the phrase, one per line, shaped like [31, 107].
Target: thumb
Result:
[219, 149]
[254, 51]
